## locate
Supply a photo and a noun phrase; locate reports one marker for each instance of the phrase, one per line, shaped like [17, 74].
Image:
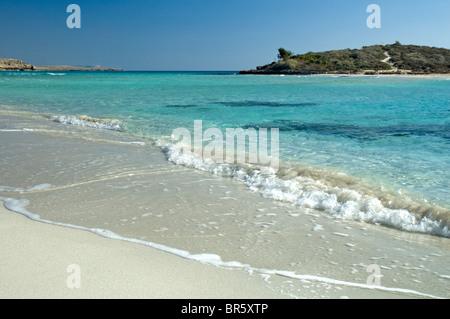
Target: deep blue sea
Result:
[367, 148]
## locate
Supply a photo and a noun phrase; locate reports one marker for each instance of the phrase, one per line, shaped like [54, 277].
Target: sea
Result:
[358, 178]
[372, 149]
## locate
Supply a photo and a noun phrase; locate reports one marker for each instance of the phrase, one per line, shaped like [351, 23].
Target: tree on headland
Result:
[284, 54]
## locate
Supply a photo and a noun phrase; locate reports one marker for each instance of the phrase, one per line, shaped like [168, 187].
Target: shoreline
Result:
[181, 222]
[37, 257]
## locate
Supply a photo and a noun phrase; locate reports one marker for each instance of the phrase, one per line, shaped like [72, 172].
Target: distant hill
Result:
[376, 59]
[18, 65]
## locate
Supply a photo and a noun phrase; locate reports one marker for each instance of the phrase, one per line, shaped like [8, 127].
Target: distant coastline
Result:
[393, 59]
[18, 65]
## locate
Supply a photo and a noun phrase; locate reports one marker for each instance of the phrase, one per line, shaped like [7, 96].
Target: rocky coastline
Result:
[393, 59]
[18, 65]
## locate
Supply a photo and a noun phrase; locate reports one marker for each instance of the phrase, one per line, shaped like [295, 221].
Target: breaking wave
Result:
[87, 121]
[334, 193]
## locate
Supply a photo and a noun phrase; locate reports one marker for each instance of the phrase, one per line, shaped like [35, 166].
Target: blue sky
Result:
[208, 34]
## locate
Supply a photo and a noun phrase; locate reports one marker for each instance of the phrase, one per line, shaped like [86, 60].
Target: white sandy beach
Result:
[36, 257]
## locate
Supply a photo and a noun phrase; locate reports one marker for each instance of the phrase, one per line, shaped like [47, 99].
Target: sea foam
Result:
[311, 189]
[87, 121]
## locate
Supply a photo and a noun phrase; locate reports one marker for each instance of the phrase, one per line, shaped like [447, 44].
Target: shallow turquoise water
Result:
[391, 132]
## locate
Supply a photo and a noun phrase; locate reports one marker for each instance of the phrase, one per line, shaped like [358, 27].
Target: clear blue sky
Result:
[208, 34]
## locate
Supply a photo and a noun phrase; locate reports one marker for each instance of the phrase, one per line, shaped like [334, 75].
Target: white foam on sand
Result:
[19, 206]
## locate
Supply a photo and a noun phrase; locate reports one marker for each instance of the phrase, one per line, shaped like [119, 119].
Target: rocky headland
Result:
[18, 65]
[392, 59]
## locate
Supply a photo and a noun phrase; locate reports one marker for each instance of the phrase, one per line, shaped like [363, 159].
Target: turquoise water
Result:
[392, 134]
